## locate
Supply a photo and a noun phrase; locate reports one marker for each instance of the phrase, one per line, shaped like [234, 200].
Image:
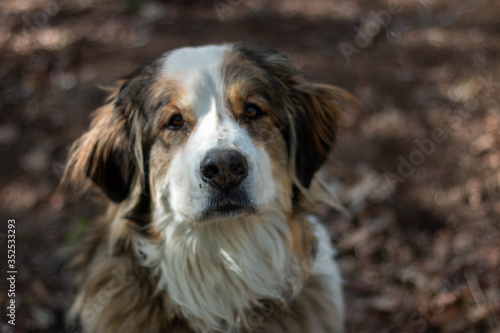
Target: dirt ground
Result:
[418, 171]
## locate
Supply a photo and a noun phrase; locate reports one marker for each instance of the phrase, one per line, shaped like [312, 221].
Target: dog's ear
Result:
[107, 153]
[317, 112]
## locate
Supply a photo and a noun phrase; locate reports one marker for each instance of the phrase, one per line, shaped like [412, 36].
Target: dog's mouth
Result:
[229, 207]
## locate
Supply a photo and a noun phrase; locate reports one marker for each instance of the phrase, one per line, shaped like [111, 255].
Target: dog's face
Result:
[210, 133]
[219, 149]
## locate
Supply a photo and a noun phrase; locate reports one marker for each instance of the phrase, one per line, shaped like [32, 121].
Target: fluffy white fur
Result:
[213, 276]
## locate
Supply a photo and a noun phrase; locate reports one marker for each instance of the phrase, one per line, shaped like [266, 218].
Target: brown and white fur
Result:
[207, 156]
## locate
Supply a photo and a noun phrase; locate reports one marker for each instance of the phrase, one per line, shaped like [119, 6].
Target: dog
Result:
[207, 156]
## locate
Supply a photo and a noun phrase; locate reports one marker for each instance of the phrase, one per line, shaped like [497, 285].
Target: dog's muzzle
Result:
[224, 170]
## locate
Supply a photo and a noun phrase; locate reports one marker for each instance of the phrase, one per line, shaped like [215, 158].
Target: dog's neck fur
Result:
[216, 273]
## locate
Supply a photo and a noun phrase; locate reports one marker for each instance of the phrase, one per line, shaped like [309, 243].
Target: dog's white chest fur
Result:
[216, 273]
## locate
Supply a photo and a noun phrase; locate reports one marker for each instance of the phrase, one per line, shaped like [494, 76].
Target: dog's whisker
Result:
[261, 144]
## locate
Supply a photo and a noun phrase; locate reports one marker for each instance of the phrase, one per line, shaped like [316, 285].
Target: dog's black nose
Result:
[223, 168]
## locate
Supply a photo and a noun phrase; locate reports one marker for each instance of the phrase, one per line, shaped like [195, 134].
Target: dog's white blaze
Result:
[198, 70]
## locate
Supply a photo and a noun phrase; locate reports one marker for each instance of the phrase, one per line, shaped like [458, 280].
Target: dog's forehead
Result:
[197, 72]
[193, 63]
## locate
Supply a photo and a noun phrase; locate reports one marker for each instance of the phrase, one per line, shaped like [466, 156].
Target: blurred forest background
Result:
[418, 170]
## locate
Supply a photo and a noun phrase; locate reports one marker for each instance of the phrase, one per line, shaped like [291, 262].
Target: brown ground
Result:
[420, 251]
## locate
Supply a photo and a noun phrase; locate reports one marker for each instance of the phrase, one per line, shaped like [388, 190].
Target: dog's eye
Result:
[176, 122]
[252, 111]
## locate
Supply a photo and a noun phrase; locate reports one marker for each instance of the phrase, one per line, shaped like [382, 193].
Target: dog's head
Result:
[210, 133]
